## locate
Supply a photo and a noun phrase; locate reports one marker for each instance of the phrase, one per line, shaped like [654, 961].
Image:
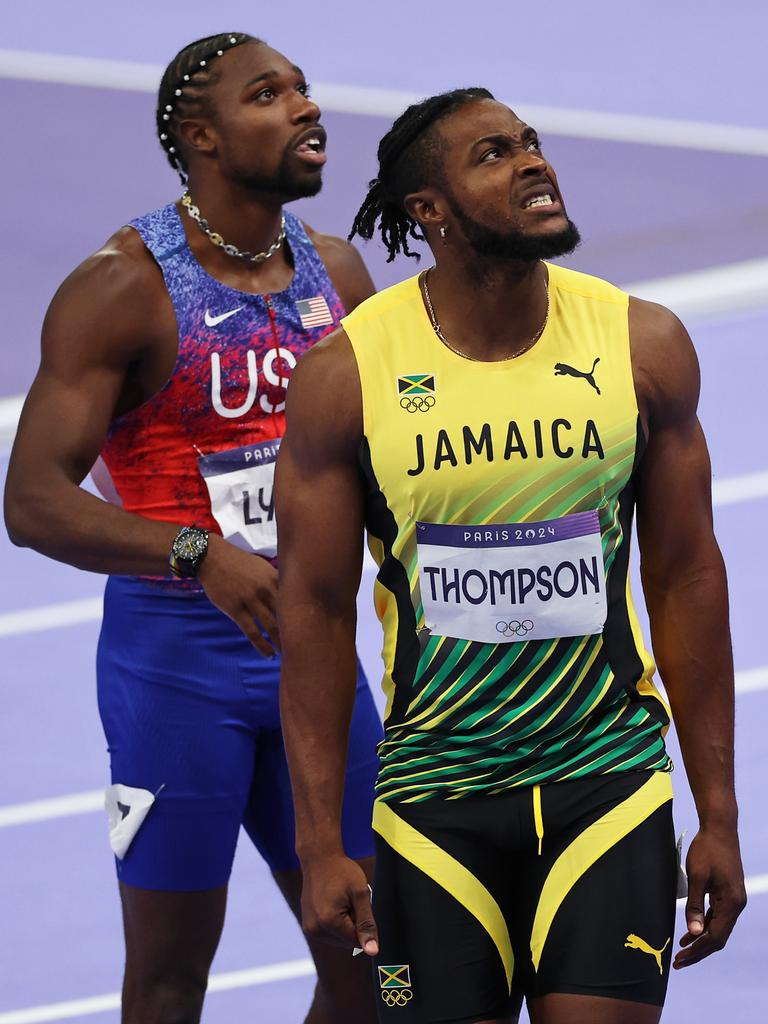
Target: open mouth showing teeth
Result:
[313, 145]
[538, 201]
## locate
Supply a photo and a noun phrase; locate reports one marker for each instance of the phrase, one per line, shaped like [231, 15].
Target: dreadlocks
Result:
[409, 155]
[183, 89]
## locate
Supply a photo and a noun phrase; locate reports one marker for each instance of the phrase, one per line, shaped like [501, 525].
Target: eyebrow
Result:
[265, 76]
[505, 137]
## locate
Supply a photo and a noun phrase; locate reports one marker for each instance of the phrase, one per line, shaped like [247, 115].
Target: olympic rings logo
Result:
[396, 996]
[514, 628]
[417, 403]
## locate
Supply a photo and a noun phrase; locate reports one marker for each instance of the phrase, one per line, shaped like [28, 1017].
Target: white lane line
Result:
[49, 616]
[260, 975]
[62, 1011]
[752, 679]
[10, 411]
[284, 971]
[649, 131]
[54, 807]
[75, 613]
[351, 99]
[734, 489]
[709, 293]
[68, 70]
[757, 885]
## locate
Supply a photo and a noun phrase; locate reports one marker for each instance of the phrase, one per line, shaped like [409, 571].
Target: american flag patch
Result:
[314, 312]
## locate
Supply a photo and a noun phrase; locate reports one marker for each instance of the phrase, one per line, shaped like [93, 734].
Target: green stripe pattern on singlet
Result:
[470, 699]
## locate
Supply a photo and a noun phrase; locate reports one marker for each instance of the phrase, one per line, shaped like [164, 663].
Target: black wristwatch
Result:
[189, 548]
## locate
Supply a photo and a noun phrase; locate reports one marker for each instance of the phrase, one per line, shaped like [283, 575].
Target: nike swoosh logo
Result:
[213, 321]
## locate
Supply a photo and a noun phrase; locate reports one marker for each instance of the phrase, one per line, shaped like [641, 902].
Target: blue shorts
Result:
[187, 704]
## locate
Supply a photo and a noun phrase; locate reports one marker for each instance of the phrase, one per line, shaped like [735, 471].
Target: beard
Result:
[513, 244]
[286, 182]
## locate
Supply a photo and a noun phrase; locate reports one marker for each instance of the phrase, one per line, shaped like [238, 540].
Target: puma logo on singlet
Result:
[124, 809]
[635, 942]
[564, 370]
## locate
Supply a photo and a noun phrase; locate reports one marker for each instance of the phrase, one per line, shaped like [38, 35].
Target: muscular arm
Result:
[109, 342]
[686, 593]
[319, 502]
[107, 318]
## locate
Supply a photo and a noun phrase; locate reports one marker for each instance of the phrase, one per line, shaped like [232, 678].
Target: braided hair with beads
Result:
[409, 156]
[183, 89]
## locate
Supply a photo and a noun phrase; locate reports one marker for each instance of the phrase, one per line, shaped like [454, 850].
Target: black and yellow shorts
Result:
[568, 887]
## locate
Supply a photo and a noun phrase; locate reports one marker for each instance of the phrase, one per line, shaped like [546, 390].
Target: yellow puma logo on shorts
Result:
[635, 942]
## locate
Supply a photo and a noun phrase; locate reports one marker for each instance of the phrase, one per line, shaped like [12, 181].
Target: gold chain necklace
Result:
[218, 241]
[436, 328]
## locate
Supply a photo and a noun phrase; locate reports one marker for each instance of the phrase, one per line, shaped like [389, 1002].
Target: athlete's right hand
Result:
[244, 587]
[336, 904]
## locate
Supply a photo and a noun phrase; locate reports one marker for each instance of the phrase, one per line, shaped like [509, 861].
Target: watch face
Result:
[190, 545]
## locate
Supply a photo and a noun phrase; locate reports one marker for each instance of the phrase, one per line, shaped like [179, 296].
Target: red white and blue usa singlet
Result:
[202, 449]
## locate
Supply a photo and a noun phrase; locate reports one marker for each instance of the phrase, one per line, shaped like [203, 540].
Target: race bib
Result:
[240, 483]
[513, 582]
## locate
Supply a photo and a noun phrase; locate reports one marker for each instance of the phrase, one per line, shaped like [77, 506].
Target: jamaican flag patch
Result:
[416, 384]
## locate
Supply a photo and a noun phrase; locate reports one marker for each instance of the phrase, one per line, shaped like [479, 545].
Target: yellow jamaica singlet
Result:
[499, 504]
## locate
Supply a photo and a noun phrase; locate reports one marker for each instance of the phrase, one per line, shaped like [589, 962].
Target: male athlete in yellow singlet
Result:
[493, 423]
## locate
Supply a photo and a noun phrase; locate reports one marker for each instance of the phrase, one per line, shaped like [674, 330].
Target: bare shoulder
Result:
[345, 268]
[122, 267]
[324, 403]
[334, 249]
[114, 299]
[664, 362]
[329, 365]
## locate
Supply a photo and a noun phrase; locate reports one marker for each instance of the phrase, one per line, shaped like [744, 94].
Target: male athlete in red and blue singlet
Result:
[169, 352]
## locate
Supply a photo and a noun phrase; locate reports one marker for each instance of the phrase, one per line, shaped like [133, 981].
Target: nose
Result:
[306, 110]
[533, 165]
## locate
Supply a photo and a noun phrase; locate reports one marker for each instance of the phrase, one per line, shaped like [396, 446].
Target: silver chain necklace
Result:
[217, 240]
[436, 328]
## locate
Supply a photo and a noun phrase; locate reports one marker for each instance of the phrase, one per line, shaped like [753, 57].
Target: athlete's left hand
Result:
[714, 866]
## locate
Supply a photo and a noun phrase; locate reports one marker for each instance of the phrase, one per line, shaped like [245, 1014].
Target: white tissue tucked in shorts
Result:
[127, 808]
[682, 878]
